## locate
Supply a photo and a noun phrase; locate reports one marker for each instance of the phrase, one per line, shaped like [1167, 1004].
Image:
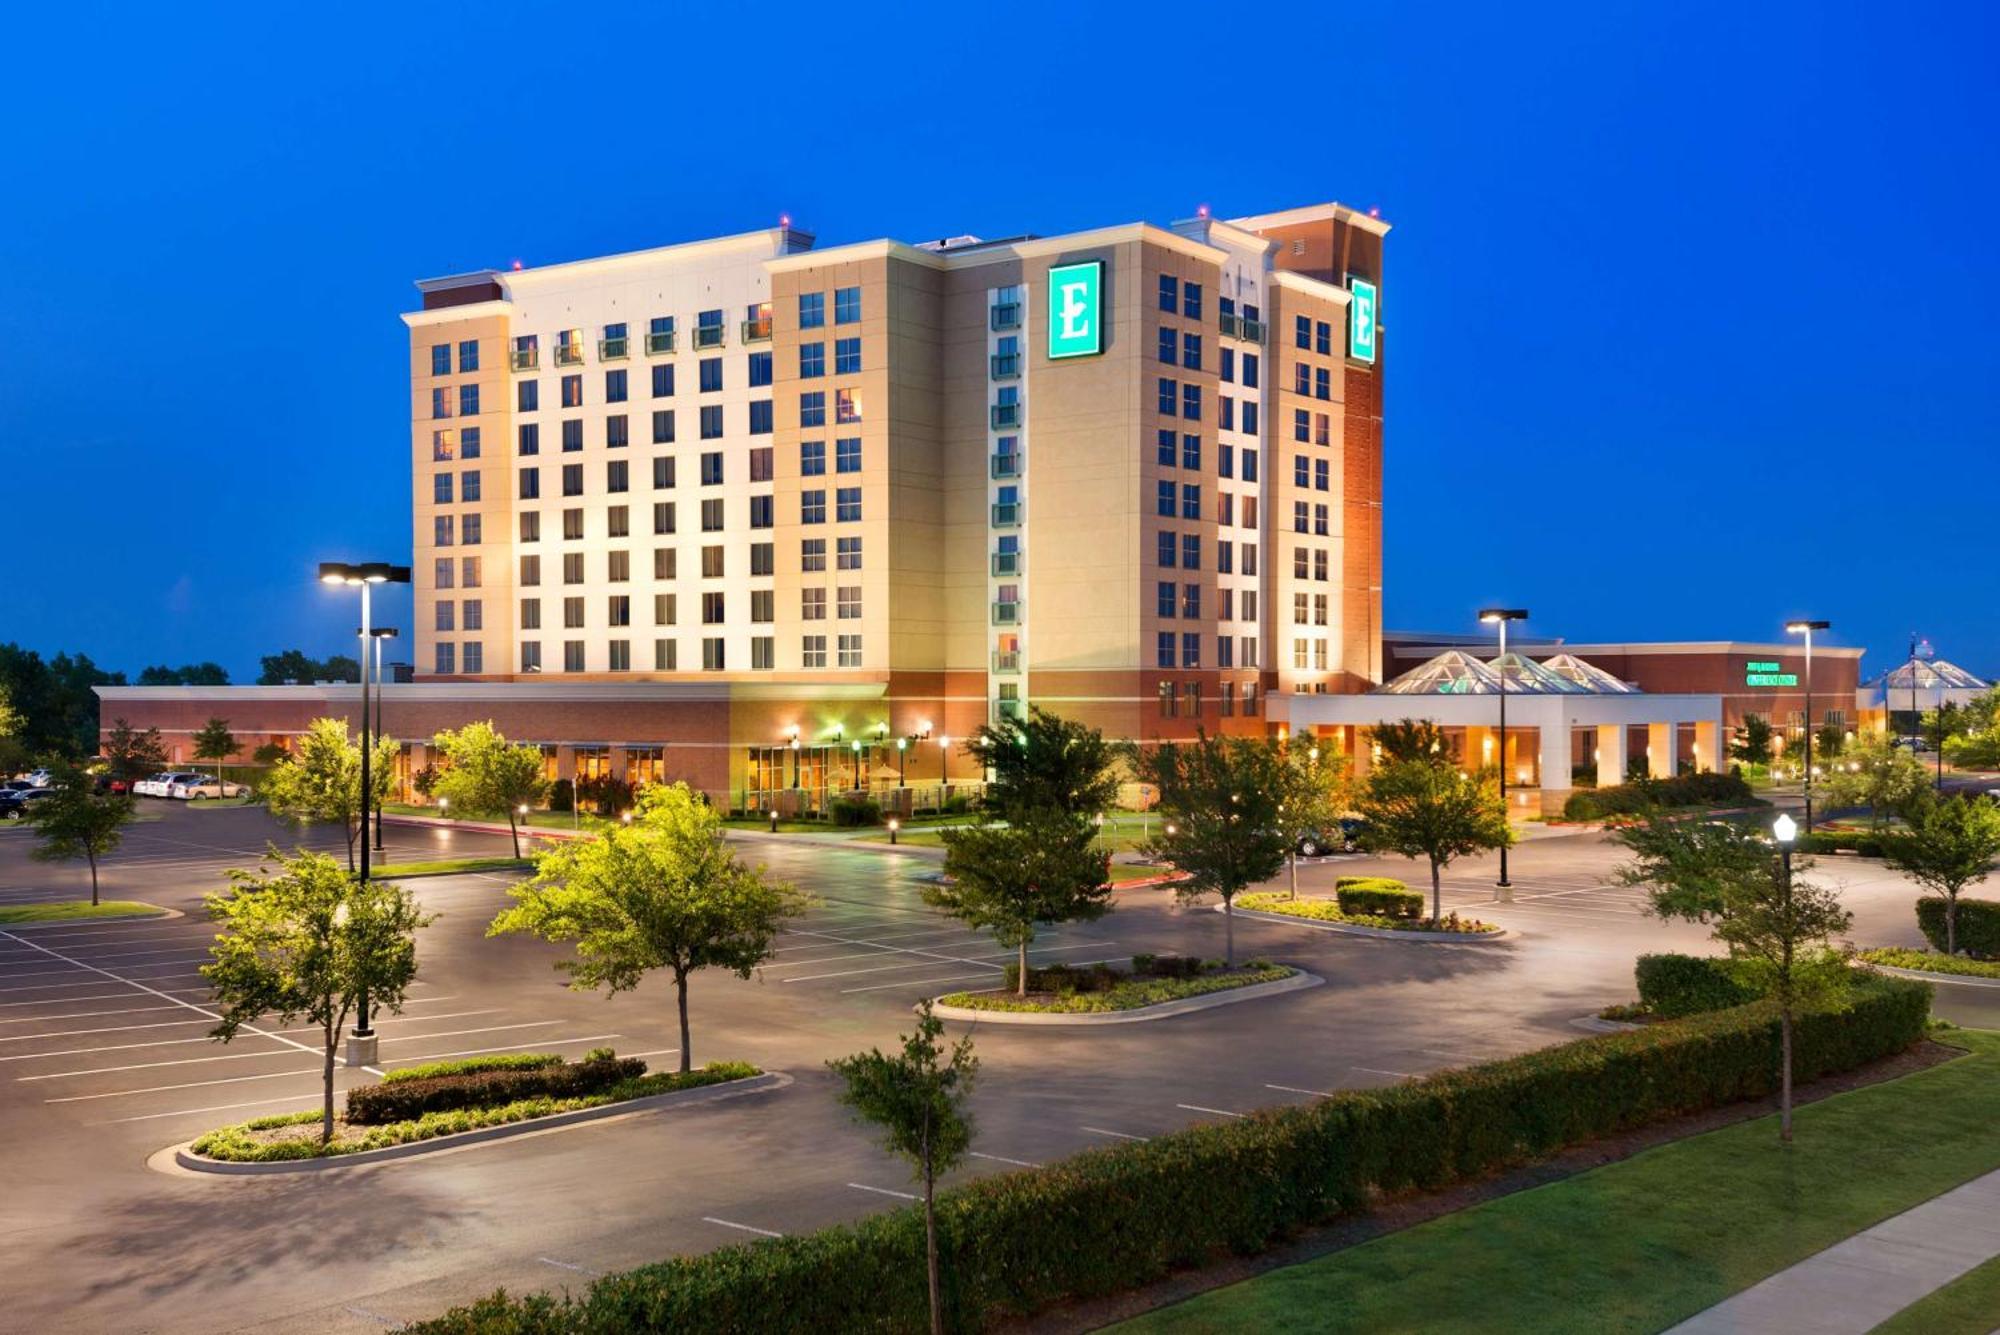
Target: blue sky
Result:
[1699, 298]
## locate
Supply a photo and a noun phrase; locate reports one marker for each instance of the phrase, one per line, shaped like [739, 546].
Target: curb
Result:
[1298, 982]
[1597, 1024]
[183, 1158]
[1379, 933]
[1925, 975]
[485, 827]
[161, 916]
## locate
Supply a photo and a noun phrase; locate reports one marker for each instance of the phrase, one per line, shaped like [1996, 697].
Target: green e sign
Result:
[1075, 320]
[1763, 672]
[1361, 320]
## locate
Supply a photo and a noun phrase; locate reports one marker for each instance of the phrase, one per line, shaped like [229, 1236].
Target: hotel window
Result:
[760, 417]
[572, 655]
[849, 602]
[531, 656]
[441, 530]
[663, 473]
[1164, 448]
[812, 604]
[711, 422]
[1249, 475]
[531, 571]
[1225, 460]
[713, 612]
[1191, 601]
[812, 360]
[1323, 338]
[812, 651]
[617, 432]
[1191, 658]
[1301, 517]
[1163, 656]
[847, 505]
[1170, 293]
[572, 567]
[468, 572]
[1249, 611]
[1225, 507]
[847, 554]
[1225, 413]
[1169, 346]
[1319, 655]
[440, 403]
[1225, 553]
[711, 374]
[1225, 606]
[812, 507]
[1248, 645]
[708, 329]
[850, 651]
[1319, 609]
[1191, 691]
[763, 653]
[1163, 499]
[665, 657]
[618, 610]
[531, 614]
[666, 609]
[1225, 692]
[846, 356]
[761, 512]
[1319, 565]
[711, 516]
[1169, 396]
[847, 406]
[1191, 351]
[1299, 654]
[572, 391]
[1190, 551]
[812, 408]
[442, 573]
[1301, 378]
[1190, 501]
[531, 526]
[441, 615]
[1322, 384]
[1225, 361]
[1190, 451]
[1301, 471]
[812, 310]
[762, 464]
[812, 554]
[614, 386]
[445, 659]
[617, 476]
[1320, 520]
[1191, 300]
[762, 606]
[469, 530]
[572, 435]
[1165, 599]
[1249, 418]
[663, 380]
[847, 454]
[763, 558]
[572, 480]
[663, 426]
[441, 489]
[621, 655]
[760, 370]
[468, 443]
[528, 396]
[468, 485]
[1301, 563]
[1301, 425]
[846, 305]
[1191, 402]
[440, 359]
[1322, 429]
[528, 438]
[1322, 475]
[1249, 377]
[618, 564]
[1302, 329]
[1301, 609]
[711, 469]
[663, 516]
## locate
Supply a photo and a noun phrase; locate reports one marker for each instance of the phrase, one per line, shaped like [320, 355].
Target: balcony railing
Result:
[1239, 326]
[1006, 563]
[757, 331]
[1010, 709]
[526, 359]
[1006, 416]
[1006, 365]
[1006, 661]
[1007, 315]
[708, 335]
[1006, 465]
[1253, 330]
[1006, 514]
[612, 349]
[1006, 614]
[568, 354]
[657, 343]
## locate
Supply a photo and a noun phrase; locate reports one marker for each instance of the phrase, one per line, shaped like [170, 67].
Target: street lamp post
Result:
[365, 576]
[1807, 628]
[1500, 616]
[377, 634]
[944, 781]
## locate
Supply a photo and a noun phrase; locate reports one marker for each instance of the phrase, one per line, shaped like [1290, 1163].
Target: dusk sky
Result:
[1689, 310]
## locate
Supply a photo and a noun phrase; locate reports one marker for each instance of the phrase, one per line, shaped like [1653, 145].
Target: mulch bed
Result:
[1403, 1212]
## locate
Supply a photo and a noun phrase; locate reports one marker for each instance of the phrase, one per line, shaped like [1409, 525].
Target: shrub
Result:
[1901, 957]
[1065, 978]
[1108, 1220]
[855, 809]
[1978, 925]
[1171, 966]
[1843, 841]
[1676, 985]
[405, 1100]
[1377, 896]
[503, 1061]
[562, 795]
[1683, 790]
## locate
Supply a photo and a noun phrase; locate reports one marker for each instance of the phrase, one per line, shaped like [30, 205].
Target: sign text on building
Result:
[1076, 327]
[1763, 673]
[1360, 320]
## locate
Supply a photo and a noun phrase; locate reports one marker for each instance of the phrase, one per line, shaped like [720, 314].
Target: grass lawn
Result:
[14, 914]
[1642, 1244]
[1969, 1305]
[447, 866]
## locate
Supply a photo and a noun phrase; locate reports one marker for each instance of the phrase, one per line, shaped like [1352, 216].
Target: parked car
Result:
[41, 778]
[207, 786]
[14, 802]
[1344, 837]
[162, 785]
[17, 785]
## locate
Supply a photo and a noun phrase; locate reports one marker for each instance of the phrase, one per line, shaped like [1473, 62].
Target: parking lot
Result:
[104, 1061]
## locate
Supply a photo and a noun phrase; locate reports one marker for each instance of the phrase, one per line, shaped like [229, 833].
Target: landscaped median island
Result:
[1110, 1220]
[1153, 980]
[453, 867]
[14, 915]
[1371, 903]
[446, 1098]
[1929, 961]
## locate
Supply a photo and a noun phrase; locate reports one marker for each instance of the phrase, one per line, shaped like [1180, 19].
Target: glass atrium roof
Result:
[1929, 675]
[1588, 675]
[1527, 677]
[1455, 672]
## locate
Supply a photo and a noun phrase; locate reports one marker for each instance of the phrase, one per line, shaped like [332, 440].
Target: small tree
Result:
[217, 743]
[1411, 739]
[1219, 797]
[1430, 809]
[484, 775]
[1885, 779]
[1752, 743]
[1317, 794]
[1829, 742]
[1949, 846]
[918, 1099]
[664, 892]
[320, 782]
[1044, 762]
[74, 821]
[1777, 926]
[1042, 868]
[132, 754]
[305, 940]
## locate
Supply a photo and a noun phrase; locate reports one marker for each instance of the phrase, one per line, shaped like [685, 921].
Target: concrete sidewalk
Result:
[1856, 1285]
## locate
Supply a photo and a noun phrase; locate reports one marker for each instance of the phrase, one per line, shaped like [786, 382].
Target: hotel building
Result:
[783, 521]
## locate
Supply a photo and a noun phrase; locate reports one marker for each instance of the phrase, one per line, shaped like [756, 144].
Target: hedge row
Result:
[1706, 789]
[1108, 1220]
[501, 1061]
[1978, 925]
[1378, 896]
[1673, 986]
[402, 1100]
[1843, 841]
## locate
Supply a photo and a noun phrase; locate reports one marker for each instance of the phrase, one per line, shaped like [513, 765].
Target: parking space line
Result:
[565, 1265]
[884, 1191]
[1001, 1158]
[505, 1047]
[917, 982]
[105, 1029]
[214, 1107]
[372, 1316]
[1376, 1070]
[392, 1019]
[1105, 1131]
[725, 1223]
[1219, 1112]
[192, 1084]
[1294, 1089]
[87, 1015]
[461, 1033]
[154, 1066]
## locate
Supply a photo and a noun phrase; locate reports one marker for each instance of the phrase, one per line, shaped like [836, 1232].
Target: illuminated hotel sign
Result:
[1075, 295]
[1758, 673]
[1361, 320]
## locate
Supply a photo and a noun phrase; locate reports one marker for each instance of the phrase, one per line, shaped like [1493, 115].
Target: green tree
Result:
[664, 892]
[217, 743]
[1949, 846]
[484, 775]
[1777, 926]
[1411, 739]
[1042, 868]
[1316, 795]
[1431, 809]
[1883, 778]
[1220, 798]
[1829, 742]
[132, 754]
[191, 674]
[10, 717]
[305, 940]
[320, 782]
[57, 699]
[1752, 743]
[918, 1100]
[1044, 761]
[294, 666]
[74, 821]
